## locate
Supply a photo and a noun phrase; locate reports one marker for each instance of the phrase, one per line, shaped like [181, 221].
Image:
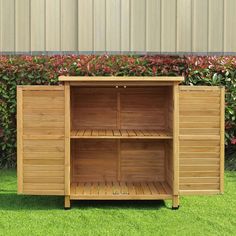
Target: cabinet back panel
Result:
[142, 160]
[94, 108]
[94, 160]
[143, 108]
[111, 108]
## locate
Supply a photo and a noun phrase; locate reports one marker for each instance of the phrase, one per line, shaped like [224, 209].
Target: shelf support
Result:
[175, 141]
[67, 138]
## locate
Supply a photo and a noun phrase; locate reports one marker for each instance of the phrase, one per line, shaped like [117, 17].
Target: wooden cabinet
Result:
[120, 138]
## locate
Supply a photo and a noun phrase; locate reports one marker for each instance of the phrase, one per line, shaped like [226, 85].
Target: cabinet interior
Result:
[121, 141]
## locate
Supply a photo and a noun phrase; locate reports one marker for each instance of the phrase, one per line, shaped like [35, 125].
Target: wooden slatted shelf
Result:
[120, 190]
[120, 133]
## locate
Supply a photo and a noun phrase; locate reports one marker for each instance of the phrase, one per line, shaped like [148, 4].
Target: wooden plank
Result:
[175, 143]
[20, 169]
[130, 78]
[69, 25]
[222, 139]
[37, 26]
[22, 27]
[85, 26]
[67, 138]
[118, 160]
[113, 27]
[99, 25]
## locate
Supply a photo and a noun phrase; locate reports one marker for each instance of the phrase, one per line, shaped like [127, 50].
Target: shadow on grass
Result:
[13, 202]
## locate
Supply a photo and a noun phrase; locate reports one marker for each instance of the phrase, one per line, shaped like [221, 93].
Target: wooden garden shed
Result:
[119, 138]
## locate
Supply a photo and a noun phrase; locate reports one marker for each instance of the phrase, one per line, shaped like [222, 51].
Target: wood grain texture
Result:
[19, 141]
[201, 132]
[120, 190]
[42, 152]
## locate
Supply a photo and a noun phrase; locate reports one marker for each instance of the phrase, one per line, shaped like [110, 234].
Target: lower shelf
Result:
[120, 190]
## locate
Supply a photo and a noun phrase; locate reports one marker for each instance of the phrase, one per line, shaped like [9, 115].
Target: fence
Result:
[116, 26]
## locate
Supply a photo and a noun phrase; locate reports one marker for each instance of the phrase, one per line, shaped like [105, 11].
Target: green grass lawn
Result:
[34, 215]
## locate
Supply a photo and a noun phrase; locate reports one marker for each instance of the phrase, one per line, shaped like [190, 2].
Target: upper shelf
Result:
[120, 134]
[113, 79]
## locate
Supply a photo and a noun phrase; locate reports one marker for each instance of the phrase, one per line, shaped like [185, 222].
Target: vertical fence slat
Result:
[113, 25]
[100, 25]
[69, 23]
[138, 25]
[53, 42]
[153, 26]
[85, 25]
[184, 26]
[37, 25]
[125, 25]
[200, 26]
[22, 15]
[8, 26]
[216, 21]
[230, 23]
[168, 26]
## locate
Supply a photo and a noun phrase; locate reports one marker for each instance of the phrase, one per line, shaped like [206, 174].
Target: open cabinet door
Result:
[201, 150]
[40, 140]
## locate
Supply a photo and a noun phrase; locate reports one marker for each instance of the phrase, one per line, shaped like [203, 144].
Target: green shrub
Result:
[28, 70]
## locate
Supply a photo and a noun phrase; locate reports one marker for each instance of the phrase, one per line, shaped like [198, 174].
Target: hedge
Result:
[44, 70]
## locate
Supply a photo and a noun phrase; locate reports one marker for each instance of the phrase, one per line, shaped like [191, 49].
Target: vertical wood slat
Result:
[53, 22]
[200, 26]
[19, 141]
[176, 139]
[113, 32]
[22, 25]
[168, 26]
[138, 25]
[37, 30]
[153, 26]
[69, 22]
[85, 25]
[125, 25]
[222, 139]
[67, 138]
[229, 26]
[184, 26]
[216, 25]
[100, 25]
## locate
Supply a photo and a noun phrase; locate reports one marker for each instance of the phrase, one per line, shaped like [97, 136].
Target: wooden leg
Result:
[175, 202]
[67, 203]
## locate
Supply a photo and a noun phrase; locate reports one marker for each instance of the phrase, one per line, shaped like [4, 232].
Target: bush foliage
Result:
[44, 70]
